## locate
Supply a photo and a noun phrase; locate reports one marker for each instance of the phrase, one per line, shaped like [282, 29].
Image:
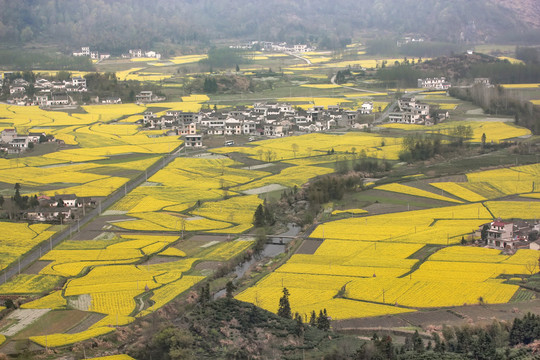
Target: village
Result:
[268, 119]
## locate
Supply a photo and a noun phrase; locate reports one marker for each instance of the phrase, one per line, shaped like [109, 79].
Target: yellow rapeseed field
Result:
[459, 191]
[515, 209]
[54, 301]
[56, 340]
[409, 190]
[29, 284]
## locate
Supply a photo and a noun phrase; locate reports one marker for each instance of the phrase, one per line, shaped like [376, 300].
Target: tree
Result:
[204, 294]
[439, 348]
[483, 348]
[417, 342]
[17, 198]
[284, 309]
[294, 149]
[258, 218]
[483, 140]
[27, 34]
[531, 266]
[229, 288]
[33, 201]
[526, 330]
[1, 200]
[237, 68]
[323, 322]
[313, 318]
[299, 328]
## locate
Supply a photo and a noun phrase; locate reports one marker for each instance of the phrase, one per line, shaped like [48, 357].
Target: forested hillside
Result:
[117, 25]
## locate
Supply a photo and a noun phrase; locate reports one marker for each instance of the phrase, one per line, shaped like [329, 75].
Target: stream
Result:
[269, 251]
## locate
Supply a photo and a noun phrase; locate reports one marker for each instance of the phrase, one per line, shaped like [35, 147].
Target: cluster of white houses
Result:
[411, 111]
[139, 53]
[273, 47]
[434, 83]
[46, 92]
[94, 55]
[132, 53]
[58, 208]
[265, 119]
[14, 143]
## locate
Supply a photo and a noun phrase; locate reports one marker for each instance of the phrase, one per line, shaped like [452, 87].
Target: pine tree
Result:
[483, 347]
[299, 328]
[204, 294]
[313, 318]
[259, 218]
[284, 309]
[34, 201]
[322, 321]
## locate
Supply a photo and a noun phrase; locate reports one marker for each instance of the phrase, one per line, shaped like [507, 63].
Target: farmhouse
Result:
[20, 142]
[147, 96]
[85, 51]
[193, 141]
[78, 81]
[48, 214]
[59, 99]
[500, 234]
[66, 200]
[508, 235]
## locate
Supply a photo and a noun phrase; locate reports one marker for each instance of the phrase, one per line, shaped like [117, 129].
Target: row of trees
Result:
[504, 72]
[500, 101]
[423, 147]
[492, 342]
[27, 59]
[389, 47]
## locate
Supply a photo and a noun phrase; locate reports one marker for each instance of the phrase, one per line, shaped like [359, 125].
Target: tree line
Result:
[499, 101]
[423, 147]
[496, 341]
[30, 59]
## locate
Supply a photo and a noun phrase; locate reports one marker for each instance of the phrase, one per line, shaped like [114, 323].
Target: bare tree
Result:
[531, 266]
[294, 149]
